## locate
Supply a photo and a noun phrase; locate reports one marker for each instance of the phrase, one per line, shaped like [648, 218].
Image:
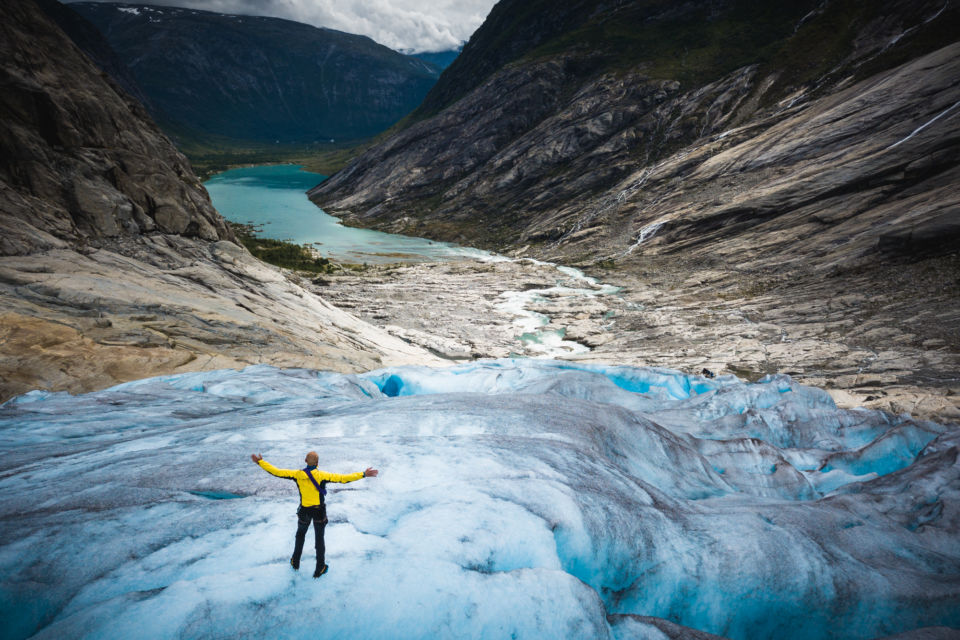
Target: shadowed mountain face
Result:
[261, 79]
[114, 265]
[442, 59]
[586, 131]
[91, 42]
[83, 163]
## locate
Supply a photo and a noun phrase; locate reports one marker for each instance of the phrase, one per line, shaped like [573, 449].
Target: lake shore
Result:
[842, 333]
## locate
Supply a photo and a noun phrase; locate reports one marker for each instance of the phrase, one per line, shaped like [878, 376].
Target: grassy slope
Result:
[207, 161]
[212, 154]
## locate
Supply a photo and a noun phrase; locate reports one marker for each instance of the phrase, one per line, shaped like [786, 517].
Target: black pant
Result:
[304, 516]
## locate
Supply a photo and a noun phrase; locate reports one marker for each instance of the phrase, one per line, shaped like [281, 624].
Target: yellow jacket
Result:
[309, 497]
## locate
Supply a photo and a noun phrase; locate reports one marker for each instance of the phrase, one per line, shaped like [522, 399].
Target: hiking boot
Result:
[320, 571]
[295, 563]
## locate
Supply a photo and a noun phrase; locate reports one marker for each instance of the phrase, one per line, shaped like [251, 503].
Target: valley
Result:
[647, 313]
[867, 348]
[757, 220]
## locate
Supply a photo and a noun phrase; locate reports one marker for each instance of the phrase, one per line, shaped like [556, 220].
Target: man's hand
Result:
[256, 457]
[370, 473]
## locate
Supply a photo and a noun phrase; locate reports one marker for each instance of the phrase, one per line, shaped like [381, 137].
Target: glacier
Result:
[517, 498]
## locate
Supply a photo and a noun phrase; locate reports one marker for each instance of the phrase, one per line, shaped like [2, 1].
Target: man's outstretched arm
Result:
[348, 477]
[269, 468]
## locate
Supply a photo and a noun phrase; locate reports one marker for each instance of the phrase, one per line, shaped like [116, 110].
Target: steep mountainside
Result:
[442, 59]
[82, 163]
[261, 79]
[772, 184]
[512, 28]
[567, 145]
[91, 42]
[113, 263]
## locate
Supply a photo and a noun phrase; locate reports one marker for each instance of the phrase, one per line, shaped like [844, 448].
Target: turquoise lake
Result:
[274, 198]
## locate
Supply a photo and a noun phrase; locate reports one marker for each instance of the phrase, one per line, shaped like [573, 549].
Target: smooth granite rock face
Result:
[746, 170]
[113, 263]
[867, 169]
[77, 322]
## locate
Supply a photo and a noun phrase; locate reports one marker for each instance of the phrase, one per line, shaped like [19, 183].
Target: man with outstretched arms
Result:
[311, 482]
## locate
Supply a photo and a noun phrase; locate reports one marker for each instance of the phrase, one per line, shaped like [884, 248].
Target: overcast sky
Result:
[405, 25]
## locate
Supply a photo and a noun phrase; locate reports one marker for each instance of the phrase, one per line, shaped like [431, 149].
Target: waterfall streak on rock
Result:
[925, 125]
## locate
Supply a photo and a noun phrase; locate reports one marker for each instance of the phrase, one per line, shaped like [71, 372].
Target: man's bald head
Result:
[312, 458]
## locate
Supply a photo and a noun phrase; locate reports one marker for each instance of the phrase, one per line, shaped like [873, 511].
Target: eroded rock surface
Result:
[759, 220]
[113, 263]
[169, 304]
[548, 158]
[457, 310]
[866, 346]
[82, 163]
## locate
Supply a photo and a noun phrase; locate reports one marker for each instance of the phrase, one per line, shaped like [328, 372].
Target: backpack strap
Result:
[318, 485]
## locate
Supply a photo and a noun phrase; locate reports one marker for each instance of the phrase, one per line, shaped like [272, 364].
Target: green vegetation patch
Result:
[280, 252]
[214, 158]
[692, 43]
[210, 153]
[700, 42]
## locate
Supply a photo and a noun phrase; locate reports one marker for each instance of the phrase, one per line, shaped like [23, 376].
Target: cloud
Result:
[404, 25]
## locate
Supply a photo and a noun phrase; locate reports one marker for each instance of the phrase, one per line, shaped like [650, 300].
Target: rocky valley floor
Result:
[883, 338]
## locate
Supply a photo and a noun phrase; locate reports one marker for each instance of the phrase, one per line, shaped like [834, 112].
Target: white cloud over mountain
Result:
[405, 25]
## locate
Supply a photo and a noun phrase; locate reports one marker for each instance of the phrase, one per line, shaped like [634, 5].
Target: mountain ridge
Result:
[262, 79]
[109, 182]
[591, 128]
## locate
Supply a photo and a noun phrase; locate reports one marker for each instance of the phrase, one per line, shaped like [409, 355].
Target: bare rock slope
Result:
[775, 188]
[113, 263]
[563, 153]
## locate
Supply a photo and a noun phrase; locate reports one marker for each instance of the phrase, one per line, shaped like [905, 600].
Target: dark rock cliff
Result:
[86, 36]
[512, 29]
[81, 162]
[261, 79]
[440, 59]
[617, 130]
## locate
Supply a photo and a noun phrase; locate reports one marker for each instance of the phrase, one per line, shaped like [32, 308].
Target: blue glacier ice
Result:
[517, 498]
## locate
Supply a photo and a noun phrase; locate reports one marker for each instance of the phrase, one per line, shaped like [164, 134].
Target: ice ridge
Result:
[523, 498]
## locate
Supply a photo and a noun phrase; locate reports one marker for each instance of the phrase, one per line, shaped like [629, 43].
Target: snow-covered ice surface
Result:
[517, 498]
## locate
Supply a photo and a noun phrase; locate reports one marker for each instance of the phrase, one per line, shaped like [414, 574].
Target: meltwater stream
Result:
[517, 499]
[273, 197]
